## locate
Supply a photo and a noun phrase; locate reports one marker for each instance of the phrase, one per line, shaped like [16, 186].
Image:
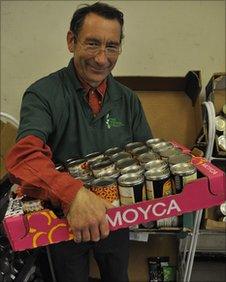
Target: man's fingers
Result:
[85, 235]
[77, 236]
[95, 232]
[104, 228]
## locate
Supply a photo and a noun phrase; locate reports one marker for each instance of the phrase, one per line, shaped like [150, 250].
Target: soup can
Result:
[111, 151]
[121, 155]
[76, 167]
[133, 169]
[158, 183]
[107, 189]
[183, 173]
[153, 141]
[131, 188]
[180, 158]
[130, 146]
[100, 168]
[120, 164]
[159, 164]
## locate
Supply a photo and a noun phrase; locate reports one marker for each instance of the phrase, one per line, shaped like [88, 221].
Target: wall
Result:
[163, 38]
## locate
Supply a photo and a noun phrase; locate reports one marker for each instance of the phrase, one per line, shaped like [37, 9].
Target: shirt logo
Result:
[112, 122]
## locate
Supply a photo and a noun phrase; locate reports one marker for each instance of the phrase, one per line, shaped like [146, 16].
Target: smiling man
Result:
[76, 111]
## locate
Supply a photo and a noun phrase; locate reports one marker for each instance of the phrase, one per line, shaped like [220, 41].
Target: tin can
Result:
[180, 158]
[162, 146]
[107, 189]
[139, 151]
[183, 173]
[221, 140]
[220, 123]
[220, 211]
[60, 167]
[125, 163]
[114, 173]
[90, 158]
[158, 183]
[159, 164]
[131, 188]
[87, 179]
[121, 155]
[111, 151]
[102, 167]
[133, 169]
[76, 167]
[147, 157]
[165, 154]
[130, 146]
[153, 141]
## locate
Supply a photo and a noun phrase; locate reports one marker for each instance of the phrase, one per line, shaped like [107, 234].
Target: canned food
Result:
[90, 158]
[111, 151]
[220, 123]
[183, 173]
[107, 189]
[158, 183]
[147, 157]
[162, 146]
[120, 164]
[131, 188]
[130, 146]
[121, 155]
[60, 167]
[153, 141]
[165, 154]
[222, 142]
[220, 211]
[102, 167]
[110, 173]
[76, 167]
[159, 164]
[139, 151]
[180, 158]
[133, 169]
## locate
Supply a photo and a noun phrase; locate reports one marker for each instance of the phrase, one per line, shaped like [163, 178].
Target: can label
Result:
[181, 181]
[132, 194]
[158, 188]
[168, 222]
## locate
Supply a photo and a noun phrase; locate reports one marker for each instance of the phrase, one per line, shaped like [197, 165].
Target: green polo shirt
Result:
[55, 109]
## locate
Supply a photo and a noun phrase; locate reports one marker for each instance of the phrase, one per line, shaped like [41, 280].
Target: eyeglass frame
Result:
[96, 51]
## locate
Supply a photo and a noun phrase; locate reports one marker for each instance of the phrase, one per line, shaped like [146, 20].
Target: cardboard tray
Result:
[44, 227]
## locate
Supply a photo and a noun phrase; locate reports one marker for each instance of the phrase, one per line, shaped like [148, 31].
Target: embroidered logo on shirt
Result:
[112, 122]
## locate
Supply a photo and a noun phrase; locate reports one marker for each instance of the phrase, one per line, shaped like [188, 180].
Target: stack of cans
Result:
[139, 171]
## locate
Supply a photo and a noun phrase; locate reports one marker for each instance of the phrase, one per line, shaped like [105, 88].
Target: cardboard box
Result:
[210, 221]
[7, 140]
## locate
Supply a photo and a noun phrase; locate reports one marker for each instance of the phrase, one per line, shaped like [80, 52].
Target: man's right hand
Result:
[87, 216]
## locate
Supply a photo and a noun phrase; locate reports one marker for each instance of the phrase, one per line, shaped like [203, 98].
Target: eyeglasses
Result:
[94, 47]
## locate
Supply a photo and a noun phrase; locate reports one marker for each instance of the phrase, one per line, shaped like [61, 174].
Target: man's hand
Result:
[87, 216]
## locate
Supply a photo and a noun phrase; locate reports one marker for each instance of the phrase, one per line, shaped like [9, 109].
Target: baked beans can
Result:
[152, 141]
[158, 183]
[157, 164]
[111, 151]
[121, 155]
[139, 151]
[162, 146]
[100, 168]
[120, 164]
[165, 154]
[179, 158]
[131, 188]
[133, 169]
[107, 189]
[76, 167]
[183, 173]
[130, 146]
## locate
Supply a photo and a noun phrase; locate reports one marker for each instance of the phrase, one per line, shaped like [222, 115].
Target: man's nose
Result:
[101, 57]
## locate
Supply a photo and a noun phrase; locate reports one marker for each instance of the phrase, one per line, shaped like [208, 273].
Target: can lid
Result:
[180, 158]
[59, 167]
[169, 152]
[183, 169]
[130, 179]
[157, 174]
[152, 141]
[223, 208]
[112, 151]
[125, 162]
[92, 155]
[222, 142]
[101, 164]
[220, 123]
[75, 162]
[160, 164]
[133, 145]
[103, 181]
[161, 146]
[147, 157]
[113, 173]
[121, 155]
[139, 150]
[132, 169]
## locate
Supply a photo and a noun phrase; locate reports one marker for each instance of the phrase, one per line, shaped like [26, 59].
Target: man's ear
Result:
[70, 41]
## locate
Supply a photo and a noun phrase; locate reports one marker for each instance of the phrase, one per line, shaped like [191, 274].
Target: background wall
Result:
[162, 38]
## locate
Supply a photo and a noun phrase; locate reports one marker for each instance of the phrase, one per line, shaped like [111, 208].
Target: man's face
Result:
[91, 66]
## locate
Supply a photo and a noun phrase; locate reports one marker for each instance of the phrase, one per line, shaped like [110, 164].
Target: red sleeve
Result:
[29, 164]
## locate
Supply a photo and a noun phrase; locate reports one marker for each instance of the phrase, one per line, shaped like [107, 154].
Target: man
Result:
[75, 111]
